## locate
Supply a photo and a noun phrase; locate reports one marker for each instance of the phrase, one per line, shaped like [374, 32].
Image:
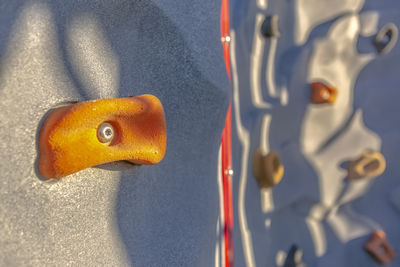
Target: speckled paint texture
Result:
[57, 52]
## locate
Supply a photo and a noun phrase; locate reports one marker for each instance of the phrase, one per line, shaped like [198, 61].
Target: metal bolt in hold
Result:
[229, 172]
[325, 94]
[105, 132]
[226, 39]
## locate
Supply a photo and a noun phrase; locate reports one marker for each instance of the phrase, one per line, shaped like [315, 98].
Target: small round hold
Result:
[105, 132]
[270, 28]
[386, 38]
[370, 164]
[321, 93]
[294, 257]
[267, 168]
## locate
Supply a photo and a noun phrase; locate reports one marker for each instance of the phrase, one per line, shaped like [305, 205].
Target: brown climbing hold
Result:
[379, 247]
[322, 94]
[370, 164]
[267, 169]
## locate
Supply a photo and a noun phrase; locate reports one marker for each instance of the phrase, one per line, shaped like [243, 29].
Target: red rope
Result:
[226, 145]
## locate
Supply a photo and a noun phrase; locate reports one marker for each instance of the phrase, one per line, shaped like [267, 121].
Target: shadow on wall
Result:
[8, 16]
[166, 214]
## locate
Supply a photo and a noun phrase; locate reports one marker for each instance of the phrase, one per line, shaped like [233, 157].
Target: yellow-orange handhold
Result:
[90, 133]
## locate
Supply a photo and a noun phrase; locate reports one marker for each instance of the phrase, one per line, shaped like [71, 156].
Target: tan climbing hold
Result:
[379, 247]
[322, 93]
[267, 169]
[370, 164]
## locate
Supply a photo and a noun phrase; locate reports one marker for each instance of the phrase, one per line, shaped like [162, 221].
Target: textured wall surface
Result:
[314, 206]
[57, 52]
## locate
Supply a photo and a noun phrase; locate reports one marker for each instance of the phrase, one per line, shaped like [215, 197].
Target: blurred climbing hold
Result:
[267, 169]
[370, 164]
[322, 93]
[379, 247]
[386, 38]
[90, 133]
[294, 257]
[270, 28]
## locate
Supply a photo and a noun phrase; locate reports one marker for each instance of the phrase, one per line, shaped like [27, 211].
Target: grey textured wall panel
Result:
[55, 52]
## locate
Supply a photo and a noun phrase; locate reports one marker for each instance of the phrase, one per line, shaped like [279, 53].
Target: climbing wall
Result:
[315, 132]
[54, 53]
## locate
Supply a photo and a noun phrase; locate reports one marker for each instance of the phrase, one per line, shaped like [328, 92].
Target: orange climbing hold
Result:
[379, 248]
[90, 133]
[322, 94]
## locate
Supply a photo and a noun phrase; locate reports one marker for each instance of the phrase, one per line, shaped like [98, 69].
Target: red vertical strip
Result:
[227, 190]
[225, 33]
[226, 144]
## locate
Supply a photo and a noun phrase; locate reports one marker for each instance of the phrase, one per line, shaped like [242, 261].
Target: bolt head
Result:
[325, 94]
[105, 132]
[226, 39]
[229, 172]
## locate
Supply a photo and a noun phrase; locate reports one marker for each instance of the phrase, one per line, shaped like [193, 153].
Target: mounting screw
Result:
[226, 39]
[105, 132]
[229, 172]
